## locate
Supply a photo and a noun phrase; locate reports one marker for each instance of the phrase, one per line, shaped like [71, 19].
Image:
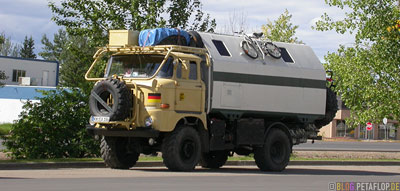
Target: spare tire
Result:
[195, 39]
[330, 109]
[174, 40]
[110, 98]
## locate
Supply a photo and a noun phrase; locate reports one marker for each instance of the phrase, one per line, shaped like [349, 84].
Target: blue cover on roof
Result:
[154, 36]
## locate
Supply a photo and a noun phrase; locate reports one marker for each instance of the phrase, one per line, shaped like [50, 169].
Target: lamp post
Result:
[384, 123]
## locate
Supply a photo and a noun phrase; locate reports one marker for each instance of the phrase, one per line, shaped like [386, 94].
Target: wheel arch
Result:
[199, 125]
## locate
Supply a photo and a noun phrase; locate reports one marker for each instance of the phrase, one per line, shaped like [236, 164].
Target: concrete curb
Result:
[347, 150]
[100, 164]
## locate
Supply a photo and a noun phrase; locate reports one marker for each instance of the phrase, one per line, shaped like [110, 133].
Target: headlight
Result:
[148, 122]
[91, 119]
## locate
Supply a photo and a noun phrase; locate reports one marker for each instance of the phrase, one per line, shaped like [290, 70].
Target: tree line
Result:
[9, 48]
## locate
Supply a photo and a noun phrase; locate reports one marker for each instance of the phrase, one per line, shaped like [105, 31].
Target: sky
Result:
[20, 18]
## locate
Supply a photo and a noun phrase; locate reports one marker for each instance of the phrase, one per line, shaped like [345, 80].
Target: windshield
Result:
[139, 66]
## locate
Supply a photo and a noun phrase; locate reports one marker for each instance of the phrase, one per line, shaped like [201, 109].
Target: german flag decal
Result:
[154, 98]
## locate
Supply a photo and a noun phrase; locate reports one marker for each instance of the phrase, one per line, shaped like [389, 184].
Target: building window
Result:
[221, 48]
[17, 74]
[342, 130]
[388, 131]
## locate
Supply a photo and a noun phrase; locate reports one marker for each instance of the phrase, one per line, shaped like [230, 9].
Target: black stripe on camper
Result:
[269, 80]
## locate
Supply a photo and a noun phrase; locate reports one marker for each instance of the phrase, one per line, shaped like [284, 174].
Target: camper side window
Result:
[221, 48]
[286, 56]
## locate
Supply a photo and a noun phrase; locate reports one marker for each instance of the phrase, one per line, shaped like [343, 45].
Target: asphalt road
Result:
[228, 178]
[349, 146]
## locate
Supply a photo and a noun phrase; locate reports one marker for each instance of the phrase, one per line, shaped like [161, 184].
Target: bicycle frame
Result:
[254, 42]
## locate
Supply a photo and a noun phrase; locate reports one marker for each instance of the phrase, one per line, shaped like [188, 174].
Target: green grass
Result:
[149, 158]
[158, 159]
[51, 160]
[5, 128]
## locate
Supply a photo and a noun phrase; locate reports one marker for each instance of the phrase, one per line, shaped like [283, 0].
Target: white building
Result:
[12, 98]
[25, 77]
[35, 72]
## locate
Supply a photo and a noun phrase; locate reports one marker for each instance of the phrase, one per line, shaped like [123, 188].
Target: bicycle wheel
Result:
[249, 49]
[273, 50]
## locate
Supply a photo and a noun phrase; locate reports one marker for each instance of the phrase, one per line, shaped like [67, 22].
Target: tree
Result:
[75, 56]
[54, 50]
[367, 74]
[281, 30]
[94, 18]
[237, 23]
[8, 48]
[2, 73]
[52, 128]
[2, 77]
[27, 48]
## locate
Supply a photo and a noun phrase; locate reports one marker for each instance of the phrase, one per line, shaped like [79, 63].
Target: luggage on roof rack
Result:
[163, 36]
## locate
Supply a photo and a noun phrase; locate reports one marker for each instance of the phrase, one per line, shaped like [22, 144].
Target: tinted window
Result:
[135, 66]
[193, 71]
[179, 70]
[286, 56]
[17, 74]
[221, 48]
[167, 70]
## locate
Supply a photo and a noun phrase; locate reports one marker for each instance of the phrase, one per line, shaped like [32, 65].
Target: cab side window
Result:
[167, 69]
[179, 70]
[193, 71]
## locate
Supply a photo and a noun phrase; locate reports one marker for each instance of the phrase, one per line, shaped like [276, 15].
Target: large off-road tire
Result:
[116, 94]
[275, 153]
[116, 153]
[181, 149]
[330, 109]
[196, 40]
[214, 159]
[174, 40]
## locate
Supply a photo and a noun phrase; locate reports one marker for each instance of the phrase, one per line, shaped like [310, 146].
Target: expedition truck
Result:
[200, 97]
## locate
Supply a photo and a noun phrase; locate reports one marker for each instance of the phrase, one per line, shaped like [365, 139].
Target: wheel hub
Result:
[188, 149]
[277, 152]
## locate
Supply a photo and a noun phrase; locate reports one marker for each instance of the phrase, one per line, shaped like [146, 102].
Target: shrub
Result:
[54, 127]
[5, 129]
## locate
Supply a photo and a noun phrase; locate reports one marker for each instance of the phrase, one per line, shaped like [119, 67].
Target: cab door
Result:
[189, 88]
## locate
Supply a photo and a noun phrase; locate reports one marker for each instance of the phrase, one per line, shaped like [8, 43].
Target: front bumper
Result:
[139, 132]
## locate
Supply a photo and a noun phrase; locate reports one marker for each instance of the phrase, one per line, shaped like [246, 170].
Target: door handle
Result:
[199, 86]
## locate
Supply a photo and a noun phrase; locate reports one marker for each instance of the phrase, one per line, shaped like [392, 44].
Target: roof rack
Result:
[151, 49]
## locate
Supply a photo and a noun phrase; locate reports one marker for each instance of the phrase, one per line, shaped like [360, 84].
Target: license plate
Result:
[99, 119]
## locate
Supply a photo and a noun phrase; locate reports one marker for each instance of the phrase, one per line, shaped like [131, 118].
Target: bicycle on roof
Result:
[253, 46]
